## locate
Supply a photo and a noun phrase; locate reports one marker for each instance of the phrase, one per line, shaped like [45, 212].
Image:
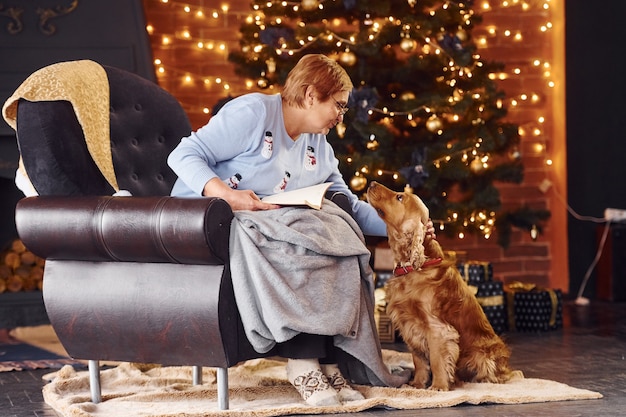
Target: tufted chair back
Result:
[142, 135]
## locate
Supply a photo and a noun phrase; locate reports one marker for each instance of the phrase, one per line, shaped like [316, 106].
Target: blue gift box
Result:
[534, 309]
[490, 296]
[475, 272]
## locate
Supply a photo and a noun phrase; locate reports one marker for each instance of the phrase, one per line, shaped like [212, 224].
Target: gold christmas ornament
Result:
[341, 129]
[372, 145]
[262, 82]
[358, 183]
[407, 95]
[534, 232]
[347, 58]
[476, 165]
[462, 35]
[310, 5]
[433, 124]
[271, 65]
[408, 45]
[515, 155]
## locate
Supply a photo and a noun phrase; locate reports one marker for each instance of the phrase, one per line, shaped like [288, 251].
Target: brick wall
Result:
[185, 67]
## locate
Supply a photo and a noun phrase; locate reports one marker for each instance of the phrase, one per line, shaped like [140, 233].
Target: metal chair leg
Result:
[197, 375]
[222, 388]
[94, 381]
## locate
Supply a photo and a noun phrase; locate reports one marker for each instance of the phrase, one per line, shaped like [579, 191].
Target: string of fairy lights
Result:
[193, 18]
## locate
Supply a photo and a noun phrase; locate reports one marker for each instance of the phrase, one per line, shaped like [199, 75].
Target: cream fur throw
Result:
[259, 388]
[84, 84]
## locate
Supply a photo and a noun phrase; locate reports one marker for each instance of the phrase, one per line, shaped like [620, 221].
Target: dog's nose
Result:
[373, 184]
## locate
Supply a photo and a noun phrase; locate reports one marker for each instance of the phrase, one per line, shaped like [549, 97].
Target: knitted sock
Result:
[307, 377]
[339, 383]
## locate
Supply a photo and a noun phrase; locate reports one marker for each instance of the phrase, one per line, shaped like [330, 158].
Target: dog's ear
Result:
[423, 210]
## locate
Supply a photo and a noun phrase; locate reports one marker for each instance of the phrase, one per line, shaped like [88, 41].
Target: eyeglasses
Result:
[343, 108]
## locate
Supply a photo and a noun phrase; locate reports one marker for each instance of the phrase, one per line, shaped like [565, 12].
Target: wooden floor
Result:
[589, 352]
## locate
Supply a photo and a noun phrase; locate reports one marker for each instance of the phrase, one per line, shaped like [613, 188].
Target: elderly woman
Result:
[318, 314]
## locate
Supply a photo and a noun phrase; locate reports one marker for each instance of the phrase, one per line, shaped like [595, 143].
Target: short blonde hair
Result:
[325, 75]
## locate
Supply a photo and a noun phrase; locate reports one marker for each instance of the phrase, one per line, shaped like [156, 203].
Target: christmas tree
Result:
[426, 113]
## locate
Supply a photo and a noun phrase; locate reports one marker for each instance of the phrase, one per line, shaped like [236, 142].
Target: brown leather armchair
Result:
[142, 278]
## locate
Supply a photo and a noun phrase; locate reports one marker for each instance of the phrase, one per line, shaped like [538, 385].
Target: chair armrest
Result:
[126, 229]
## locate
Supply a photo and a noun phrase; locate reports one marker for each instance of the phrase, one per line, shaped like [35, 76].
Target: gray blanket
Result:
[299, 270]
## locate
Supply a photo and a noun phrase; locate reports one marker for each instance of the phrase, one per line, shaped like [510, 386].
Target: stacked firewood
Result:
[20, 269]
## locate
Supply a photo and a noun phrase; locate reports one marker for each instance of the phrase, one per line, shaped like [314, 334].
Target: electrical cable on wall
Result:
[580, 300]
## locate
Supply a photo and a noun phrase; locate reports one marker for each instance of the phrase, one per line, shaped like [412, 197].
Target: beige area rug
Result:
[259, 388]
[43, 337]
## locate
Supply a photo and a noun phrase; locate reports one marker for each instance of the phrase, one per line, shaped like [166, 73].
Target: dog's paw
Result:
[418, 384]
[421, 377]
[439, 387]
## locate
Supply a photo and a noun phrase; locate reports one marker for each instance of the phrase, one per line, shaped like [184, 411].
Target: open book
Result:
[309, 196]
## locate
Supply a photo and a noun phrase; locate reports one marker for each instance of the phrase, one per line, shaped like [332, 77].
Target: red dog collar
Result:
[403, 270]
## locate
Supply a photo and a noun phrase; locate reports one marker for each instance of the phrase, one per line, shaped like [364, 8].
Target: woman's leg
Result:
[317, 384]
[304, 370]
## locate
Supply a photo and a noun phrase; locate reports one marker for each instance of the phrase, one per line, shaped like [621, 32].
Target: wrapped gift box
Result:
[381, 278]
[386, 332]
[383, 259]
[534, 309]
[459, 256]
[475, 272]
[490, 296]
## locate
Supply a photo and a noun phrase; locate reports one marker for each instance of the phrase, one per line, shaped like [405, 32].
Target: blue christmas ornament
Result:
[416, 173]
[451, 43]
[275, 37]
[362, 100]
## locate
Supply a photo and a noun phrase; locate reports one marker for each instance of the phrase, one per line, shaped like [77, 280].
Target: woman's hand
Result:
[237, 199]
[430, 230]
[246, 200]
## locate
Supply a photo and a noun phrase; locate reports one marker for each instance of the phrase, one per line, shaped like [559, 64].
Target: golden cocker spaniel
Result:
[434, 310]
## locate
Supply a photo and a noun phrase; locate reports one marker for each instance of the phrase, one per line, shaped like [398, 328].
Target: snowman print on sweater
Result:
[233, 181]
[280, 187]
[310, 160]
[268, 145]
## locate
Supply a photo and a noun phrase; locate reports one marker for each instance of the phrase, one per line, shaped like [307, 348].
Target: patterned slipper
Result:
[339, 383]
[307, 377]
